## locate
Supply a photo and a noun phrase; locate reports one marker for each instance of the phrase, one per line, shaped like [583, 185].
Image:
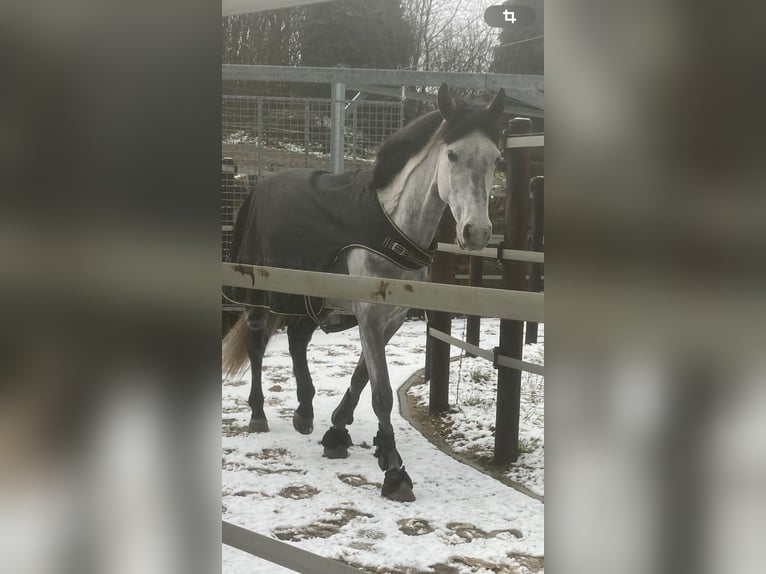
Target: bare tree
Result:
[465, 43]
[429, 19]
[450, 36]
[270, 37]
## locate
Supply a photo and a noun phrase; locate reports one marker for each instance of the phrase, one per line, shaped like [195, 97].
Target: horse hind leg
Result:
[299, 335]
[260, 325]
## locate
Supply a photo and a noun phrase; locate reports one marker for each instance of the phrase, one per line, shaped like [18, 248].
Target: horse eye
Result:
[451, 155]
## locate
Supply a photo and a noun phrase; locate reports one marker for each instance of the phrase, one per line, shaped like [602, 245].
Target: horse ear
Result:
[495, 107]
[446, 105]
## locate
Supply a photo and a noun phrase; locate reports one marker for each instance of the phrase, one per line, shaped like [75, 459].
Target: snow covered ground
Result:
[278, 483]
[473, 383]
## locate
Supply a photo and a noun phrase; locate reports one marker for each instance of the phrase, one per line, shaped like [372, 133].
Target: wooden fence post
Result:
[537, 190]
[518, 162]
[441, 272]
[429, 349]
[473, 322]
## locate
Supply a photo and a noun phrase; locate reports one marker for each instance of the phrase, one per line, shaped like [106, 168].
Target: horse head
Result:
[466, 166]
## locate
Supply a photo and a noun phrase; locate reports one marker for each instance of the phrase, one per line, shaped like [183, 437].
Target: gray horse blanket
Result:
[305, 219]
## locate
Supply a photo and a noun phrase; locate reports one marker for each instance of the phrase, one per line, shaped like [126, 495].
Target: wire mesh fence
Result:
[262, 135]
[367, 124]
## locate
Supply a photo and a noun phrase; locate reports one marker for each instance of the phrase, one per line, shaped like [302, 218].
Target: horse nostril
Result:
[467, 231]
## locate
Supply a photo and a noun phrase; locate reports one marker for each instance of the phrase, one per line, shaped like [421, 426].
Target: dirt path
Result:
[435, 430]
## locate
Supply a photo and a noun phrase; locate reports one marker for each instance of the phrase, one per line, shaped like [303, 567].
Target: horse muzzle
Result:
[472, 237]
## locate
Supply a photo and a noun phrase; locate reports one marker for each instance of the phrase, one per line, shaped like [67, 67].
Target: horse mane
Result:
[398, 149]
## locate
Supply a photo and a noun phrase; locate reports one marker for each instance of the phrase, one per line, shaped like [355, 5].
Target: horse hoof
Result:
[337, 452]
[403, 493]
[336, 442]
[303, 425]
[258, 425]
[398, 486]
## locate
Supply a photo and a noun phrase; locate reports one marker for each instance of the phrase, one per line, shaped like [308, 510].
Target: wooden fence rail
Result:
[487, 354]
[280, 553]
[491, 253]
[483, 301]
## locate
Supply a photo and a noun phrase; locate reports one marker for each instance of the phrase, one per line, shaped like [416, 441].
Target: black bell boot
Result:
[397, 484]
[386, 451]
[336, 442]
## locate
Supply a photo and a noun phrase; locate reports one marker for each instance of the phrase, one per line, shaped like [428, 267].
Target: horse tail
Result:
[234, 349]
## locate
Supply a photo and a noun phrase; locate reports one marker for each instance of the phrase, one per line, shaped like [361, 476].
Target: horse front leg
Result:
[374, 322]
[337, 440]
[344, 413]
[299, 335]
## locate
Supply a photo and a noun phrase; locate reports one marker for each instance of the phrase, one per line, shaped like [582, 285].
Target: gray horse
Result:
[378, 223]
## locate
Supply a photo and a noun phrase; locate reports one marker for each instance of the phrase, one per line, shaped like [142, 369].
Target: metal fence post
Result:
[338, 122]
[518, 164]
[401, 107]
[259, 136]
[306, 120]
[353, 135]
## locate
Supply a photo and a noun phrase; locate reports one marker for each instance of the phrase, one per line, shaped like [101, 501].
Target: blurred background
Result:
[109, 292]
[109, 288]
[656, 404]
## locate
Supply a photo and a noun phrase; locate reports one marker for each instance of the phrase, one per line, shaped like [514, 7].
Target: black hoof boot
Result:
[398, 486]
[336, 442]
[303, 425]
[258, 425]
[386, 452]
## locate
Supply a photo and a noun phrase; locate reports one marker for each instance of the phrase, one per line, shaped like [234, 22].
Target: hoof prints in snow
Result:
[324, 528]
[273, 459]
[366, 539]
[531, 563]
[414, 526]
[469, 532]
[251, 494]
[261, 469]
[280, 485]
[231, 428]
[359, 480]
[236, 383]
[235, 409]
[268, 453]
[298, 492]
